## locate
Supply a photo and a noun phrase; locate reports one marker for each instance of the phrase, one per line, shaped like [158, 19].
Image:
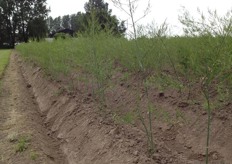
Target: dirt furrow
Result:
[23, 137]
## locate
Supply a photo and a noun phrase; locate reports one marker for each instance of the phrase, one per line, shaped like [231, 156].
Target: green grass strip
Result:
[4, 59]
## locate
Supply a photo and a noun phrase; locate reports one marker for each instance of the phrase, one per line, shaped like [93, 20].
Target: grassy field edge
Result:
[4, 60]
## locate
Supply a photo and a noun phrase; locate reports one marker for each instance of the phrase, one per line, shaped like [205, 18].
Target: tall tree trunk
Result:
[11, 37]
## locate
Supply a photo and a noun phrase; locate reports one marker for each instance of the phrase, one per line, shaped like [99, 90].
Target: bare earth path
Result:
[20, 119]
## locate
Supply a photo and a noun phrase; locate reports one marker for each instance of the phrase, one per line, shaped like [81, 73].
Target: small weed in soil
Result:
[33, 155]
[22, 144]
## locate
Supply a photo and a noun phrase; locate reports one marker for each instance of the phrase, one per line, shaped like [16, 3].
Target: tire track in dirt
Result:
[20, 117]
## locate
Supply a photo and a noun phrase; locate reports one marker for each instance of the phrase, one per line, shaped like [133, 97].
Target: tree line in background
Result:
[81, 22]
[21, 20]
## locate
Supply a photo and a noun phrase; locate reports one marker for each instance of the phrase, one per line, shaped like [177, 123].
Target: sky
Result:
[160, 10]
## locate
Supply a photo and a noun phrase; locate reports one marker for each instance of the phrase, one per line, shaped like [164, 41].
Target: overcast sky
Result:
[161, 10]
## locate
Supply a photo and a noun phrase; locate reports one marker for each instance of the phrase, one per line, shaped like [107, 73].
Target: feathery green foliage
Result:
[202, 58]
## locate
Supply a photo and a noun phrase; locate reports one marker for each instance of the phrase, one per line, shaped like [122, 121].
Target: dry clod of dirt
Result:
[161, 94]
[204, 113]
[183, 104]
[28, 85]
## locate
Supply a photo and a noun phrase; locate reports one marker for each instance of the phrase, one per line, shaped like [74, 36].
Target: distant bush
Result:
[62, 36]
